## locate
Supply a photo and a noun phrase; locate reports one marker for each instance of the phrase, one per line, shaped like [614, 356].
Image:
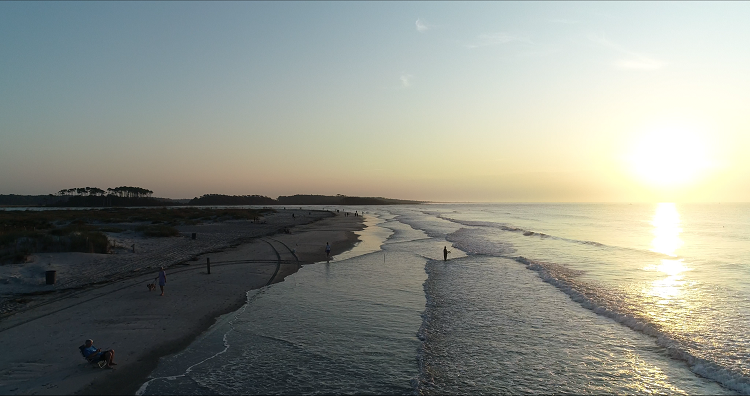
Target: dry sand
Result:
[40, 345]
[75, 270]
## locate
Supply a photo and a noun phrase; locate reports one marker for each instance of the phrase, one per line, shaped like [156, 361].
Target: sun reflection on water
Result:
[667, 229]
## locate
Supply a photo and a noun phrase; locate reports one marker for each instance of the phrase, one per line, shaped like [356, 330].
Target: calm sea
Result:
[534, 298]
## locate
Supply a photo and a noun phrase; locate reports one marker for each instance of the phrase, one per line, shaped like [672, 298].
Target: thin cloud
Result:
[540, 53]
[490, 39]
[633, 60]
[564, 21]
[406, 80]
[422, 26]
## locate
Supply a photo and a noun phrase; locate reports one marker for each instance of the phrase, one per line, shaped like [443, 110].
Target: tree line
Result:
[220, 199]
[123, 192]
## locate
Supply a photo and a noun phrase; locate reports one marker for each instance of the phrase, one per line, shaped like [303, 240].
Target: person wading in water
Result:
[445, 253]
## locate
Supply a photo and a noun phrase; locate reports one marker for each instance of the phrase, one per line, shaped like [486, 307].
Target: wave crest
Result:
[614, 305]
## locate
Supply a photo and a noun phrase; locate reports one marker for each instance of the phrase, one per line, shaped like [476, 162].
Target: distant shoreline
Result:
[111, 200]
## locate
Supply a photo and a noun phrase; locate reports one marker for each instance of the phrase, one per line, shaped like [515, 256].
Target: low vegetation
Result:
[158, 230]
[124, 196]
[27, 232]
[219, 199]
[16, 246]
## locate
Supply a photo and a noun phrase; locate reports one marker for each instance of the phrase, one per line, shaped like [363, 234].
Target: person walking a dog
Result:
[162, 277]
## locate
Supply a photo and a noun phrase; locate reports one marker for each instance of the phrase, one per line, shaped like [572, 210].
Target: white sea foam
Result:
[224, 323]
[608, 304]
[531, 233]
[618, 304]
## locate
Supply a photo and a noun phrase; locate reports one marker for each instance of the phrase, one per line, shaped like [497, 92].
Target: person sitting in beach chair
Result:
[96, 355]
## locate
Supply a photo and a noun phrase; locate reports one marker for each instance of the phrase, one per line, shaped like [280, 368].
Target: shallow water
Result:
[534, 299]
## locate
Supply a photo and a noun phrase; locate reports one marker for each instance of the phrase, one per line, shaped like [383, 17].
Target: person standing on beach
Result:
[328, 251]
[445, 253]
[162, 277]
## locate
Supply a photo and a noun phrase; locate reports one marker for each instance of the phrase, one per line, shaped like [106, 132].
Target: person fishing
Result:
[445, 253]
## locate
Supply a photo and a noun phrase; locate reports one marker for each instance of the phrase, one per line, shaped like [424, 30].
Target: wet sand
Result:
[40, 346]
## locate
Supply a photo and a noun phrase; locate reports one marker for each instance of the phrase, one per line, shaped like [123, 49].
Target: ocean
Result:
[534, 298]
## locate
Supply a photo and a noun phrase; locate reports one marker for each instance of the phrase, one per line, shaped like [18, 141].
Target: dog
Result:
[151, 287]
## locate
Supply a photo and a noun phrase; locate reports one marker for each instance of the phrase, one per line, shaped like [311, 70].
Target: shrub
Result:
[89, 242]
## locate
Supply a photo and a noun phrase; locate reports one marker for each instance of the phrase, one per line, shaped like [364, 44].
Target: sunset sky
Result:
[442, 101]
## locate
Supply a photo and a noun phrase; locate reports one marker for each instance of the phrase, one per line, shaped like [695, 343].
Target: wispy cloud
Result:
[405, 80]
[632, 60]
[540, 52]
[489, 39]
[564, 21]
[422, 25]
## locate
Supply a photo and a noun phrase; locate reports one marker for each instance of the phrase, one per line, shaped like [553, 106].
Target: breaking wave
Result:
[524, 232]
[618, 304]
[615, 305]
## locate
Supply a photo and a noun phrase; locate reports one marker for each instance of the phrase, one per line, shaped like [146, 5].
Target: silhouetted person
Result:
[328, 251]
[445, 253]
[162, 277]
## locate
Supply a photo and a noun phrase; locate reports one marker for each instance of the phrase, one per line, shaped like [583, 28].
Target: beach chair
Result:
[99, 363]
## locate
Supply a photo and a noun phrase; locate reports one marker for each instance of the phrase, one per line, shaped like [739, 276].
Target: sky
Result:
[438, 101]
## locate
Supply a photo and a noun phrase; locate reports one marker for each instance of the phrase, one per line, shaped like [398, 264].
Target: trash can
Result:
[51, 277]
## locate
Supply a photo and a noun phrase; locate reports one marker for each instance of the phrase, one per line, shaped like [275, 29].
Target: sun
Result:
[669, 157]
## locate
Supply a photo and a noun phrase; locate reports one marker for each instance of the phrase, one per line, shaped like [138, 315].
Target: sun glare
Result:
[669, 157]
[667, 229]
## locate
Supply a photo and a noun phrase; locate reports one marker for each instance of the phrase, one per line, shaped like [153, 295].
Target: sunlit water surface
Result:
[534, 298]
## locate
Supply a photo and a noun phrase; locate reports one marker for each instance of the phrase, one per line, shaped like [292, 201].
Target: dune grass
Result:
[26, 232]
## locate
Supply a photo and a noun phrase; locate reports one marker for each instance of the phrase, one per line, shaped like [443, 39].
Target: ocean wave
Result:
[525, 232]
[613, 304]
[472, 242]
[431, 228]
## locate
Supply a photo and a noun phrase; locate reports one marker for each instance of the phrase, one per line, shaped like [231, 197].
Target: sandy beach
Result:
[40, 342]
